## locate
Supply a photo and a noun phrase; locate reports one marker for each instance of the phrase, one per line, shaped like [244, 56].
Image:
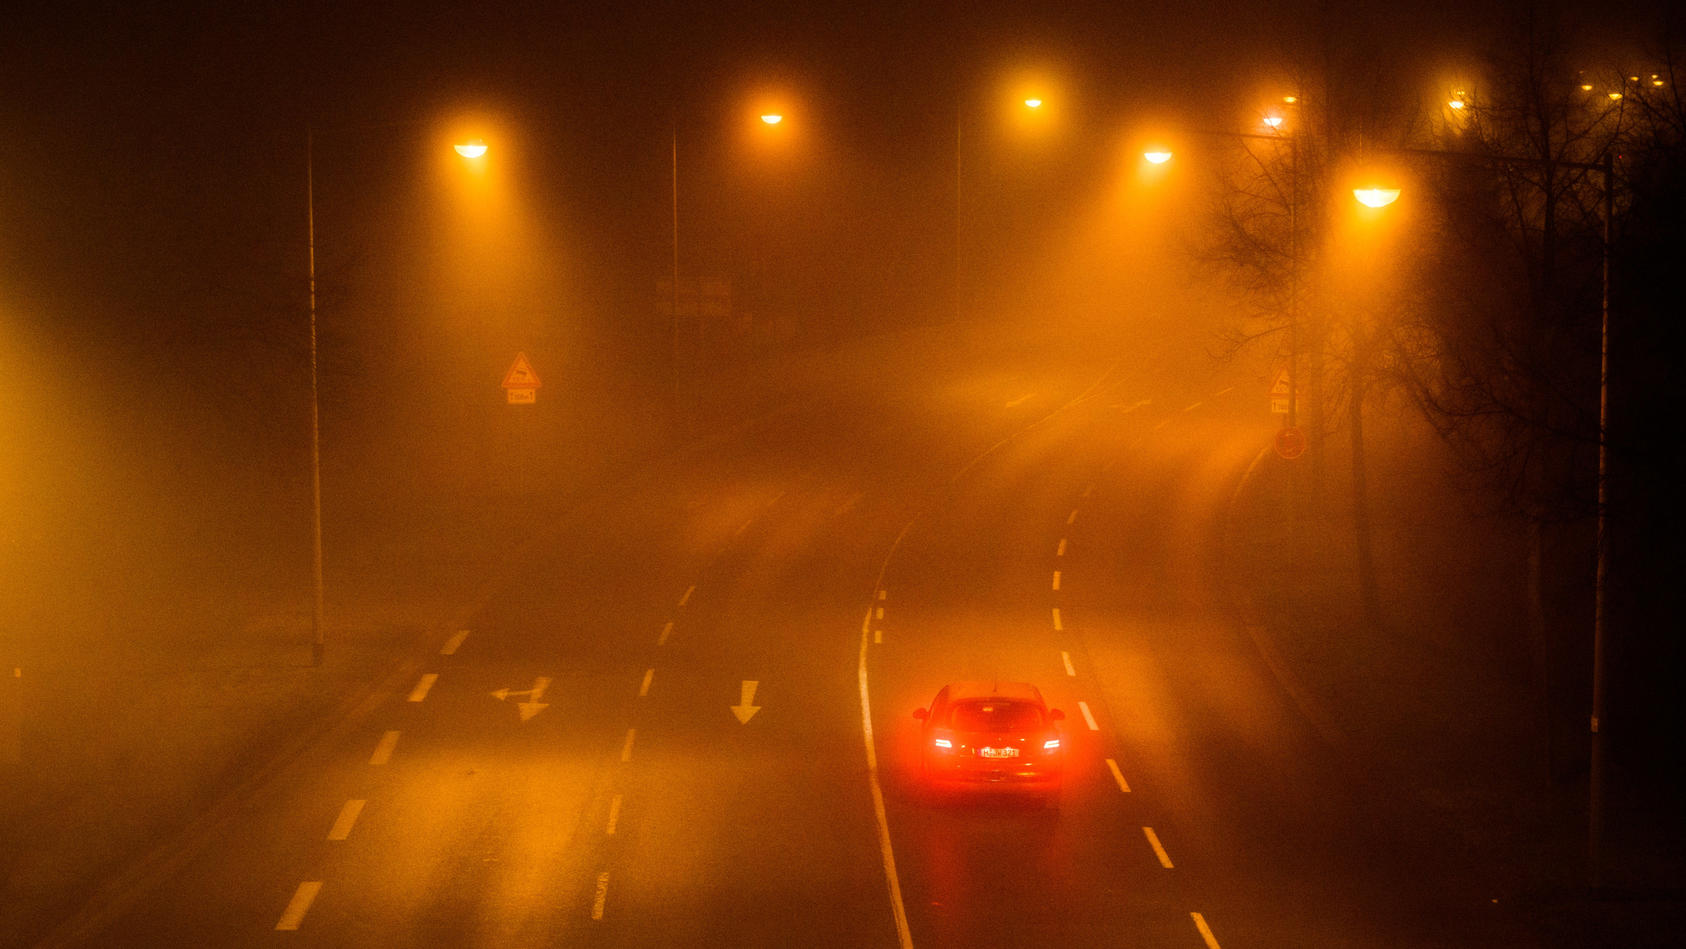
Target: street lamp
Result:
[1376, 197]
[318, 643]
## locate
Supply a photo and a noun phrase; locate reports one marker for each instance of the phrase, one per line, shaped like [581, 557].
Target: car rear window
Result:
[994, 716]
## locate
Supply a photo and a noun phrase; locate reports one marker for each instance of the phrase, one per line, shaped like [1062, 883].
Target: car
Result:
[991, 736]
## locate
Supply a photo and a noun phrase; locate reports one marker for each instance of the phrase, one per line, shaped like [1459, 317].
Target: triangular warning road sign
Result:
[521, 374]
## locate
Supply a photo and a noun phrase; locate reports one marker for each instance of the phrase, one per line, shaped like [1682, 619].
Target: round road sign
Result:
[1290, 443]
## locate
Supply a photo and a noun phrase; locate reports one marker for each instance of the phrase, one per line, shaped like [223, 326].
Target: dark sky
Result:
[150, 161]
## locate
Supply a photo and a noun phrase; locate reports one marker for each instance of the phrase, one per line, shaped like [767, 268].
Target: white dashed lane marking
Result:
[1072, 517]
[1158, 848]
[348, 817]
[614, 815]
[687, 597]
[1057, 626]
[423, 685]
[626, 749]
[644, 687]
[1065, 657]
[667, 629]
[383, 750]
[1060, 552]
[299, 905]
[602, 895]
[451, 644]
[1056, 579]
[1118, 776]
[1088, 716]
[1205, 931]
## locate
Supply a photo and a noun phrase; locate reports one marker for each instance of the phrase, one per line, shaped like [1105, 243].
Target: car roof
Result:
[1017, 691]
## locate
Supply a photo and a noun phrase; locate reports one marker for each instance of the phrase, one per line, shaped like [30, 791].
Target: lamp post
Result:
[318, 644]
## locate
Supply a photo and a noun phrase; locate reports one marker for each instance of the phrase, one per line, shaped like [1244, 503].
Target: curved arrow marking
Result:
[532, 706]
[744, 710]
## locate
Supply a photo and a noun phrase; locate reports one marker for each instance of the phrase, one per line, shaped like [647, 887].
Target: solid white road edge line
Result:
[1158, 848]
[1088, 716]
[298, 905]
[423, 685]
[1205, 931]
[886, 852]
[348, 817]
[1118, 776]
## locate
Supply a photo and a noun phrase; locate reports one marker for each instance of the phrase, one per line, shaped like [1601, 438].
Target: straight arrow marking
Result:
[744, 710]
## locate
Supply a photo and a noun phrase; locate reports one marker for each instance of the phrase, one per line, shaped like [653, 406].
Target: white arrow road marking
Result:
[348, 816]
[532, 706]
[298, 905]
[743, 710]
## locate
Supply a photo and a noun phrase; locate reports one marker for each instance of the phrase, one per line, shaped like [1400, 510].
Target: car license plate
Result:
[999, 752]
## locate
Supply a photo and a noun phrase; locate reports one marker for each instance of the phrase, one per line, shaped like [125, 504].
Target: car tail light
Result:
[1052, 744]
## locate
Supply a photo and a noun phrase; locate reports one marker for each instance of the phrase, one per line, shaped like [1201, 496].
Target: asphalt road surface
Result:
[684, 718]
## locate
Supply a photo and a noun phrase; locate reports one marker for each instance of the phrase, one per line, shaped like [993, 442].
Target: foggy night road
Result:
[633, 808]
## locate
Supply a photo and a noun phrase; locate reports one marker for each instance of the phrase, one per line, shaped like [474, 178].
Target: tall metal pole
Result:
[317, 642]
[674, 167]
[959, 292]
[1293, 274]
[1595, 781]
